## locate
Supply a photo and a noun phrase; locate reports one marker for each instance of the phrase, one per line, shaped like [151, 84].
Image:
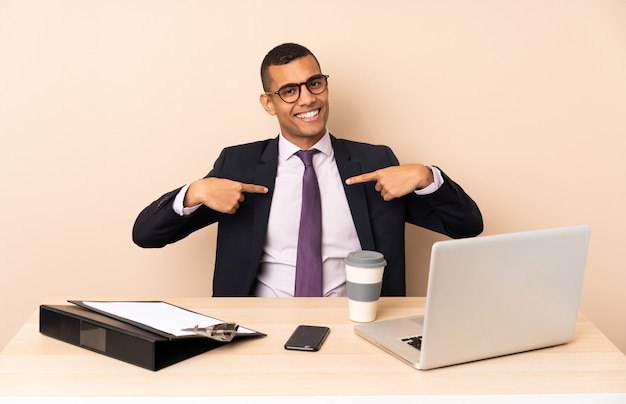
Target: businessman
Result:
[287, 221]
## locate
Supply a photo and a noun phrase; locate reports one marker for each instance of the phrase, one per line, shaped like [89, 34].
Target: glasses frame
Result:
[299, 85]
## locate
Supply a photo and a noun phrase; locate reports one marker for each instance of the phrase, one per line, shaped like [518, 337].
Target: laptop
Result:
[491, 296]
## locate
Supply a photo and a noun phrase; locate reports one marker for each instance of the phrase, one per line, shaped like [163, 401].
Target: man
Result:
[254, 192]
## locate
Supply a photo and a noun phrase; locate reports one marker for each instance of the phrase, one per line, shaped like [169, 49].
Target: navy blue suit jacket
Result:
[379, 224]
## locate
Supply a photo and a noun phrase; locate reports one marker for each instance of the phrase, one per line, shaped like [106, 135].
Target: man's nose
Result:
[306, 97]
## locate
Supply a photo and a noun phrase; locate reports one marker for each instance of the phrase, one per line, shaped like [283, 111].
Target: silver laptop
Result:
[491, 296]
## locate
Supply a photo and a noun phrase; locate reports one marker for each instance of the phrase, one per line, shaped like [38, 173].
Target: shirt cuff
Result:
[179, 206]
[437, 183]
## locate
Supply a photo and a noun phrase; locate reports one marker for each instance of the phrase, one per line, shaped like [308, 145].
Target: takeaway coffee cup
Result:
[364, 279]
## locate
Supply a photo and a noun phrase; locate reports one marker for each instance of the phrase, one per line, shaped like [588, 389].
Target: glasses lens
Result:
[316, 84]
[289, 93]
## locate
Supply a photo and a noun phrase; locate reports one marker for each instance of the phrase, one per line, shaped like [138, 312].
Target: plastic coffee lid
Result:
[365, 259]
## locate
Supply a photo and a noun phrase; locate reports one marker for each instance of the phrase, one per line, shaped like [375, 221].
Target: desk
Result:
[35, 365]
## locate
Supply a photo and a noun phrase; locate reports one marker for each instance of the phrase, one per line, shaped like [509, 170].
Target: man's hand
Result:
[396, 181]
[219, 194]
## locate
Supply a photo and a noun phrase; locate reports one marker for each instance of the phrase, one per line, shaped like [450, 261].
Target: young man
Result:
[254, 192]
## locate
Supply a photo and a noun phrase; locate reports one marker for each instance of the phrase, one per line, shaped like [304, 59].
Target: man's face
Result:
[302, 122]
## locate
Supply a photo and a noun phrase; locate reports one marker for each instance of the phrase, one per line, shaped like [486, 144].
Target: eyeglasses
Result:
[291, 92]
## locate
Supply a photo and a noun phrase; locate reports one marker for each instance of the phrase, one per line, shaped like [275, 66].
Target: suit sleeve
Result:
[448, 210]
[158, 224]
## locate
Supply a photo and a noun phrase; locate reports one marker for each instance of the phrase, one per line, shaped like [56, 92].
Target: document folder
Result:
[117, 339]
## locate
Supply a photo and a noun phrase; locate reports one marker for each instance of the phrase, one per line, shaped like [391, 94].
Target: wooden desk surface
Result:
[35, 365]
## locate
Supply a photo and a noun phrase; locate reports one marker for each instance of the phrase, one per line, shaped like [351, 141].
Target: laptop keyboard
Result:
[415, 342]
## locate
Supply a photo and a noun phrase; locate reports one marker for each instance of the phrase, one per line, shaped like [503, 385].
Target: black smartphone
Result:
[307, 338]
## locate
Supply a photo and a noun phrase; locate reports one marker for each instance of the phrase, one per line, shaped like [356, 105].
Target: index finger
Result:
[253, 189]
[367, 177]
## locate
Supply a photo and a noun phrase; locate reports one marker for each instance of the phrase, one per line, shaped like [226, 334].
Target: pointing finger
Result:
[367, 177]
[253, 189]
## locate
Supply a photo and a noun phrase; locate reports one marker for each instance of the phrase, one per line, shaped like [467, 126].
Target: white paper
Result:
[161, 316]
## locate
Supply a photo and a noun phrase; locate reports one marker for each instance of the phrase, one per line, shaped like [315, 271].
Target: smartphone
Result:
[307, 338]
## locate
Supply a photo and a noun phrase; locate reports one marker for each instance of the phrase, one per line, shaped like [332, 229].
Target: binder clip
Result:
[223, 332]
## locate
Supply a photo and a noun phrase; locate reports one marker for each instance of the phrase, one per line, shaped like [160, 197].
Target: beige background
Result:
[105, 105]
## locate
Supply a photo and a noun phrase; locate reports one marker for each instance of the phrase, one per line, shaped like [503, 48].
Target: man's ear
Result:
[267, 104]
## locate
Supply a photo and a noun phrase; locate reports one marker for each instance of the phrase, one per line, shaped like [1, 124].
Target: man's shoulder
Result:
[356, 145]
[255, 147]
[256, 144]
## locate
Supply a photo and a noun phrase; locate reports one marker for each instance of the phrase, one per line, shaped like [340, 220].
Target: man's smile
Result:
[308, 116]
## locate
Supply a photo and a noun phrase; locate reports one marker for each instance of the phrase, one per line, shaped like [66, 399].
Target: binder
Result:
[127, 341]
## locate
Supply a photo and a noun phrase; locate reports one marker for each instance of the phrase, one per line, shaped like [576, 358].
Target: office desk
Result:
[35, 365]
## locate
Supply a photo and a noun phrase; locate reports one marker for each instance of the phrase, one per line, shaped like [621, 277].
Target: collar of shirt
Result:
[286, 149]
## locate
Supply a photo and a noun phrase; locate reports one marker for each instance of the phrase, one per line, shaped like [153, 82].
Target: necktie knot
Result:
[306, 156]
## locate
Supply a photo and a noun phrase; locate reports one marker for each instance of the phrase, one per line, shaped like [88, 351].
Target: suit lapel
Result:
[355, 194]
[264, 174]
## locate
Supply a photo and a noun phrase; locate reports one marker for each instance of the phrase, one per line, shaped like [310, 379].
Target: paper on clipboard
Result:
[161, 316]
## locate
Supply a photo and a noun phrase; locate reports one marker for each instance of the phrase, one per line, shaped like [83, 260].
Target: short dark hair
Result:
[281, 55]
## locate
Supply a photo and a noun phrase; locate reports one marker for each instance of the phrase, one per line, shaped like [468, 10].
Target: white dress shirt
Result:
[277, 269]
[276, 276]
